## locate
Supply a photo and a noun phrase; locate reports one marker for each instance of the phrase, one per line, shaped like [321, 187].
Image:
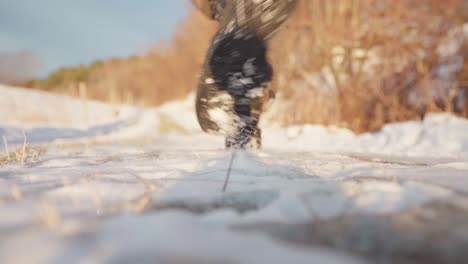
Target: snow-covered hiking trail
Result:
[147, 188]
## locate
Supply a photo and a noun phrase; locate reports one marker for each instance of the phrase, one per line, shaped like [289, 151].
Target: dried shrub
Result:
[362, 63]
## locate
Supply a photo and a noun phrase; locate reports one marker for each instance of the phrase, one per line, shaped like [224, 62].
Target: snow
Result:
[439, 135]
[123, 184]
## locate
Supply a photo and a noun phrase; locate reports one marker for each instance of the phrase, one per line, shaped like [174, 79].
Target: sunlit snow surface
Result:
[128, 185]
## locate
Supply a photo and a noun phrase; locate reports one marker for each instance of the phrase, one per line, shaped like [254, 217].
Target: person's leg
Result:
[247, 134]
[237, 73]
[231, 89]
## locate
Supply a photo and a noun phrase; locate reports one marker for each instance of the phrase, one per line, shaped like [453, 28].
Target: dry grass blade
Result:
[16, 192]
[49, 213]
[142, 203]
[23, 153]
[6, 149]
[148, 185]
[228, 174]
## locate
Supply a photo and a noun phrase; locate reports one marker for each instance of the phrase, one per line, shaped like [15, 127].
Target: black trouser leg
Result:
[236, 71]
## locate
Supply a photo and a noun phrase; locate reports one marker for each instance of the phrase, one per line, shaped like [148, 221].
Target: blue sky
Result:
[70, 32]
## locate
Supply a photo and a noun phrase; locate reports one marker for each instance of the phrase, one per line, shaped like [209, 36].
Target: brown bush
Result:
[362, 63]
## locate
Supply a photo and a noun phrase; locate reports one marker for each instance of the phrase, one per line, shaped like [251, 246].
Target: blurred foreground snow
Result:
[120, 184]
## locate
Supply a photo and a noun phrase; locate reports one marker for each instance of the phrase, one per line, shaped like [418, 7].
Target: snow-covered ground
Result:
[120, 184]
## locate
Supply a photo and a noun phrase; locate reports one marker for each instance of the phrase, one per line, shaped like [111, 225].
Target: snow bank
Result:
[439, 135]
